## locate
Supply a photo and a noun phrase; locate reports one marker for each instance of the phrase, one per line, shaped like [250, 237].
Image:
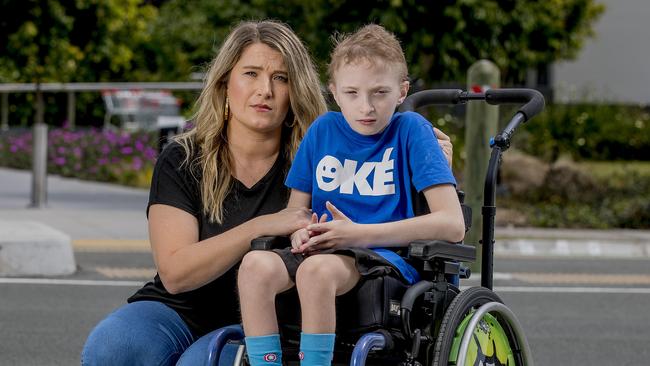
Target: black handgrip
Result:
[270, 242]
[433, 96]
[533, 99]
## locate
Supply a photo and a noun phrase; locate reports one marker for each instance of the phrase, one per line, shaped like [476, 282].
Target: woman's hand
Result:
[445, 144]
[301, 236]
[338, 233]
[284, 222]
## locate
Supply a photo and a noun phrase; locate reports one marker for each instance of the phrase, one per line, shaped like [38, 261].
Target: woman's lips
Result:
[261, 108]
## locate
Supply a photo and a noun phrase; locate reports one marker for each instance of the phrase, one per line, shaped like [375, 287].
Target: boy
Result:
[358, 165]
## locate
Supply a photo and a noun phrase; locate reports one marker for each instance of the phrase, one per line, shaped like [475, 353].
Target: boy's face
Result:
[368, 95]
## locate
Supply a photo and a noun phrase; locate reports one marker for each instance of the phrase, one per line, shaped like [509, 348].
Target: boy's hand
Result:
[298, 238]
[301, 236]
[340, 232]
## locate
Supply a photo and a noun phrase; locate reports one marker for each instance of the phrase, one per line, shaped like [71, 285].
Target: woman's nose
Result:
[265, 88]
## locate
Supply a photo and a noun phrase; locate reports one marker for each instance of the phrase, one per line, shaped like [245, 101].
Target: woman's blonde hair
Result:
[371, 43]
[206, 144]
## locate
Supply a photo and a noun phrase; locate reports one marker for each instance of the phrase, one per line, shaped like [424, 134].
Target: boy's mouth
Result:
[367, 121]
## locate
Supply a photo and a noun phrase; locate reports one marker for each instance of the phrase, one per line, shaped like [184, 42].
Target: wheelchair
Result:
[385, 322]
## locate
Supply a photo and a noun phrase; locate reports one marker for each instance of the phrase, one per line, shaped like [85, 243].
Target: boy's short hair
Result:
[372, 43]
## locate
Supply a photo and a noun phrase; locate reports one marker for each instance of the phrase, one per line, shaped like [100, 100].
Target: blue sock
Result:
[264, 350]
[316, 349]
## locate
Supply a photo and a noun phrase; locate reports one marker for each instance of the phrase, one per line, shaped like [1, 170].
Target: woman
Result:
[213, 190]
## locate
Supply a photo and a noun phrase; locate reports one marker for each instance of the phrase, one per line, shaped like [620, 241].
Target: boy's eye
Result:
[351, 92]
[381, 92]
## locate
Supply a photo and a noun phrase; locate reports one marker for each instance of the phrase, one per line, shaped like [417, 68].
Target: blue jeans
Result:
[144, 333]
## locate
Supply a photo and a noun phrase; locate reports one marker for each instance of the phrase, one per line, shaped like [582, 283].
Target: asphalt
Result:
[107, 217]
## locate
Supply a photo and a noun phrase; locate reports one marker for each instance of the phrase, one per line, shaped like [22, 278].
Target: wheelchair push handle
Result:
[532, 100]
[433, 96]
[534, 104]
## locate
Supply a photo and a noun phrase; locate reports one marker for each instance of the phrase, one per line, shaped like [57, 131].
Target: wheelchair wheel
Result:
[493, 338]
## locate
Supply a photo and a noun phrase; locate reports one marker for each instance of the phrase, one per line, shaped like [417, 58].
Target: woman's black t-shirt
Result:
[215, 304]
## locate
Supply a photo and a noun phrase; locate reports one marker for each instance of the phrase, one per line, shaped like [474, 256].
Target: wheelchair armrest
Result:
[429, 249]
[270, 242]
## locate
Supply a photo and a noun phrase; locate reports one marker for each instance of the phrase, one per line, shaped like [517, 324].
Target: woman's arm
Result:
[185, 264]
[445, 222]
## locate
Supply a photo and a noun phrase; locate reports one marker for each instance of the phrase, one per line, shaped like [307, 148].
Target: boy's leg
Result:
[262, 275]
[320, 278]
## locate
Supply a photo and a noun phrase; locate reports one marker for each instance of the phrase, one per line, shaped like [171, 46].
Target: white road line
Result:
[562, 247]
[574, 290]
[527, 289]
[526, 247]
[593, 247]
[56, 281]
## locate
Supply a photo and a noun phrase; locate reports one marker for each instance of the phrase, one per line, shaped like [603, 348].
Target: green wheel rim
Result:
[489, 345]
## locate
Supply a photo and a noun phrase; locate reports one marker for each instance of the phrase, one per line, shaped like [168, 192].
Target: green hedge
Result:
[571, 195]
[588, 132]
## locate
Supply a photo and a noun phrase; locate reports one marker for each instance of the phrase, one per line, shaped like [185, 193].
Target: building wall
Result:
[615, 64]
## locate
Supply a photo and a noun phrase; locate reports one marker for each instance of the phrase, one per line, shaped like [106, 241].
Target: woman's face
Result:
[258, 89]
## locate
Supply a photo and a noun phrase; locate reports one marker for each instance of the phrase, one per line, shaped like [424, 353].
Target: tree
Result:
[62, 41]
[443, 38]
[69, 41]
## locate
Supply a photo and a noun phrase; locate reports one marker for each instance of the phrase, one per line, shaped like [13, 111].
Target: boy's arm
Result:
[445, 222]
[299, 199]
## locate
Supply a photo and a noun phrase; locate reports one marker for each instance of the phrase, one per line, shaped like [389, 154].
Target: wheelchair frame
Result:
[453, 317]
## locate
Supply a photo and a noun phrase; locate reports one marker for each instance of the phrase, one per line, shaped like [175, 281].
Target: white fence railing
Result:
[72, 88]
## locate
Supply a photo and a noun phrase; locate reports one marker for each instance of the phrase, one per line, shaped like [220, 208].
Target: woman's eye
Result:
[250, 73]
[351, 92]
[282, 78]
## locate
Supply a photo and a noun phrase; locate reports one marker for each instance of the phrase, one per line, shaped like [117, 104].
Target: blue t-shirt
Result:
[369, 178]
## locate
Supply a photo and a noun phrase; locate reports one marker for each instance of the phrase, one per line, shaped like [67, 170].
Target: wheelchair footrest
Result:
[429, 249]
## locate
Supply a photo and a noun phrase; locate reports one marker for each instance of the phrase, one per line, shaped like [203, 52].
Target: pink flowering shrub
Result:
[110, 156]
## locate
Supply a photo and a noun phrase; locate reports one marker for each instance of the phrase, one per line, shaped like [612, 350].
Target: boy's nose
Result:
[366, 106]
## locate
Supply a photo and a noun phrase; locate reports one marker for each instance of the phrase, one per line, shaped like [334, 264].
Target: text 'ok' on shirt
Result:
[368, 178]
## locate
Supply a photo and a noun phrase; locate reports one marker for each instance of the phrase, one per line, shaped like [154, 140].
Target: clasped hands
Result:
[321, 234]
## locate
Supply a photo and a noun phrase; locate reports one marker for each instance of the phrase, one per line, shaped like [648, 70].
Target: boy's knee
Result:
[260, 267]
[314, 271]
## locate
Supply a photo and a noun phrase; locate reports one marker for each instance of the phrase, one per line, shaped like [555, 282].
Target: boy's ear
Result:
[403, 91]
